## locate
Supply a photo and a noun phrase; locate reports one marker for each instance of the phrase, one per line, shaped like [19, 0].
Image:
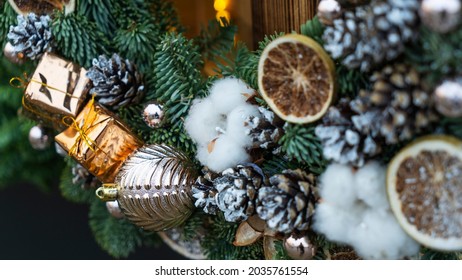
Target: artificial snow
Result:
[217, 124]
[355, 210]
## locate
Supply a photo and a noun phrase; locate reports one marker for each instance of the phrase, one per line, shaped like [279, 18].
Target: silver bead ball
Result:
[328, 11]
[39, 138]
[11, 55]
[153, 115]
[299, 247]
[441, 15]
[114, 209]
[448, 98]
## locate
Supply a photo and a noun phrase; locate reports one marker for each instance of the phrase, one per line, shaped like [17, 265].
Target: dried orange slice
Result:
[40, 7]
[424, 184]
[296, 78]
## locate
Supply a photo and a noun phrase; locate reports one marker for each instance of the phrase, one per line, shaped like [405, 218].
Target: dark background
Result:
[45, 226]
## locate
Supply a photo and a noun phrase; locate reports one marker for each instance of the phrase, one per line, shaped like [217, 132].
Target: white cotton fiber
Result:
[354, 210]
[228, 93]
[336, 185]
[202, 121]
[371, 185]
[226, 153]
[236, 127]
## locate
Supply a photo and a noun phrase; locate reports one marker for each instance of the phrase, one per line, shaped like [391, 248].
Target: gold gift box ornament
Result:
[58, 88]
[98, 140]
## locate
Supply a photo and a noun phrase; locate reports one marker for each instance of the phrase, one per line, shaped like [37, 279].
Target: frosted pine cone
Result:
[265, 131]
[348, 137]
[289, 203]
[400, 98]
[204, 192]
[32, 36]
[369, 35]
[116, 82]
[238, 190]
[83, 178]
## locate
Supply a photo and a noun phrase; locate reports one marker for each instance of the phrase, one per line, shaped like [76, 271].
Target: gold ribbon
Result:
[83, 129]
[18, 82]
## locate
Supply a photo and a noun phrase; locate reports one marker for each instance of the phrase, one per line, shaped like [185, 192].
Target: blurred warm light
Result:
[220, 5]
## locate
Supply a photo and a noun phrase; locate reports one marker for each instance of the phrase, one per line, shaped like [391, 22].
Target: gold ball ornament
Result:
[299, 247]
[441, 15]
[40, 7]
[448, 98]
[39, 138]
[11, 55]
[153, 188]
[190, 248]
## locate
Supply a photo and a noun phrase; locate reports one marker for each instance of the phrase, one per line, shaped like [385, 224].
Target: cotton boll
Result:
[226, 153]
[335, 223]
[337, 185]
[228, 93]
[371, 185]
[202, 121]
[380, 237]
[236, 127]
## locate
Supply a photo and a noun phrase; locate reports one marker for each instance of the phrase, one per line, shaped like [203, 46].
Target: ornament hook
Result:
[108, 192]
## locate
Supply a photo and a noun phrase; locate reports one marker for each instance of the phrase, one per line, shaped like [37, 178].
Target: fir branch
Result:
[428, 254]
[174, 137]
[179, 81]
[350, 82]
[127, 11]
[72, 192]
[276, 165]
[118, 237]
[165, 16]
[218, 243]
[452, 126]
[7, 18]
[194, 224]
[437, 55]
[217, 39]
[137, 42]
[101, 12]
[240, 63]
[78, 39]
[281, 253]
[300, 143]
[313, 29]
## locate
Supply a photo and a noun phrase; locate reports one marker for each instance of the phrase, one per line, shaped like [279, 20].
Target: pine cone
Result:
[237, 191]
[32, 36]
[83, 178]
[400, 99]
[116, 82]
[369, 35]
[289, 203]
[204, 192]
[348, 137]
[265, 131]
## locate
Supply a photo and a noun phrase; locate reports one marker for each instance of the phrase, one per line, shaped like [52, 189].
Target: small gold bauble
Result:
[11, 55]
[299, 247]
[448, 98]
[153, 188]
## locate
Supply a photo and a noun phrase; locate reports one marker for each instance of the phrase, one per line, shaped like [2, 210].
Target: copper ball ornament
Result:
[441, 15]
[448, 98]
[153, 115]
[299, 247]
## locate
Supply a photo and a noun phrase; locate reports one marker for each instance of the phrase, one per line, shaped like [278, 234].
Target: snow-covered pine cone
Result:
[288, 204]
[371, 34]
[238, 191]
[265, 131]
[116, 82]
[348, 137]
[83, 178]
[32, 36]
[403, 104]
[204, 192]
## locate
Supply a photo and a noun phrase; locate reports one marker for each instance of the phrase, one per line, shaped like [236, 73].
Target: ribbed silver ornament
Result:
[153, 188]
